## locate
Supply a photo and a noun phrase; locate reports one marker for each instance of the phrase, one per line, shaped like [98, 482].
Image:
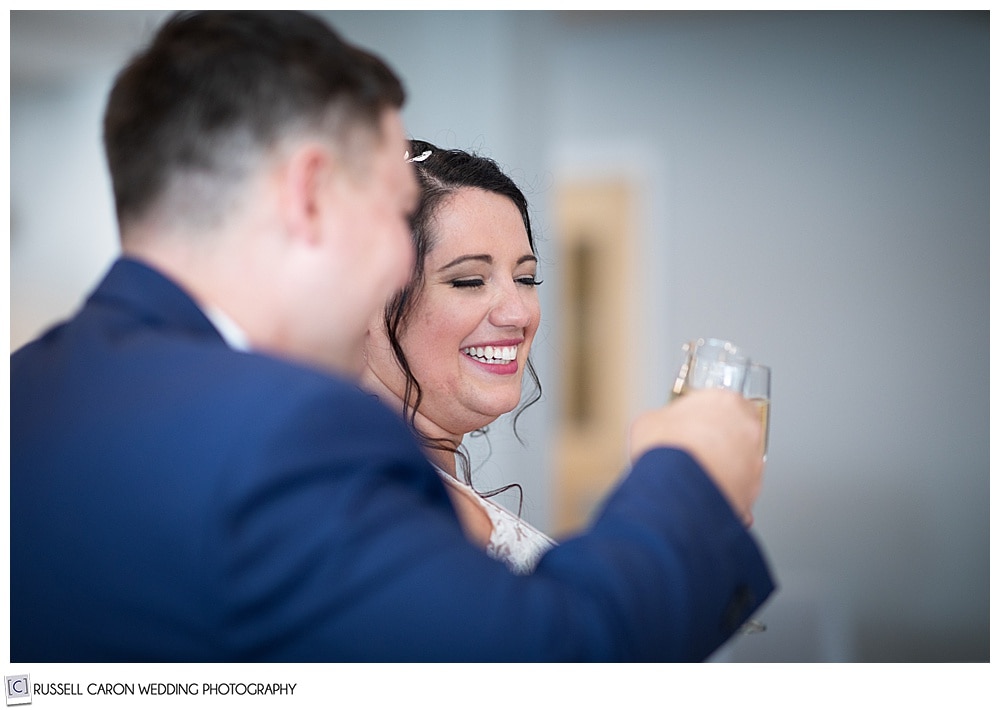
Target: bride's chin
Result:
[472, 416]
[497, 412]
[485, 419]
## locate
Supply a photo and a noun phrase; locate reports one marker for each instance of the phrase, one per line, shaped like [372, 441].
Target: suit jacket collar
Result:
[151, 297]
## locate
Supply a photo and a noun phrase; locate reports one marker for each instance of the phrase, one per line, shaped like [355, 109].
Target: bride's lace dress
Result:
[513, 541]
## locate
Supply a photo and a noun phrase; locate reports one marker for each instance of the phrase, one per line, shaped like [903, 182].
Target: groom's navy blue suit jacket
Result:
[172, 499]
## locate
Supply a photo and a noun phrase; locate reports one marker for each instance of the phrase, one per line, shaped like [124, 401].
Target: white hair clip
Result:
[416, 158]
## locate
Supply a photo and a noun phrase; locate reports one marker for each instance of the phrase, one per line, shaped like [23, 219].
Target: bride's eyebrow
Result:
[485, 258]
[468, 257]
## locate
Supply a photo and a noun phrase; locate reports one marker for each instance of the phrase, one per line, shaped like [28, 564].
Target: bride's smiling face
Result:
[473, 322]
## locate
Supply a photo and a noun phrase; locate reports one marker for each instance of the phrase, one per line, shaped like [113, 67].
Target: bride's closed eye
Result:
[475, 282]
[467, 283]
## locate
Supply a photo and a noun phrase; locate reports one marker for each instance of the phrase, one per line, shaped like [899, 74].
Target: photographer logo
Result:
[18, 689]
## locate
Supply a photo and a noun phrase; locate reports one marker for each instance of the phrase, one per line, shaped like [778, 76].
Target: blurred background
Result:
[811, 185]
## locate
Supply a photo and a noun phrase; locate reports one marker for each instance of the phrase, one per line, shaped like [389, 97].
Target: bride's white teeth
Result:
[492, 355]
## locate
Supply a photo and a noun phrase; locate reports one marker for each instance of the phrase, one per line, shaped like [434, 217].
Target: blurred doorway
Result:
[596, 236]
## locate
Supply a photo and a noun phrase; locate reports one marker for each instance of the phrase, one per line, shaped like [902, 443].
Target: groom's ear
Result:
[306, 183]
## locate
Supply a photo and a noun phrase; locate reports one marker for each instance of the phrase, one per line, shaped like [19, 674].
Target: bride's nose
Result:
[513, 307]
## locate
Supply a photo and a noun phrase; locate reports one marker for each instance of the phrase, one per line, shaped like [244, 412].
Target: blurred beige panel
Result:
[595, 228]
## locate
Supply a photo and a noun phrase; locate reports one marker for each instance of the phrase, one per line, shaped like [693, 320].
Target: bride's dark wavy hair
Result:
[440, 173]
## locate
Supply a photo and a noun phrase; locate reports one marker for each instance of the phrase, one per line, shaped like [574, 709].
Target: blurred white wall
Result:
[63, 233]
[815, 187]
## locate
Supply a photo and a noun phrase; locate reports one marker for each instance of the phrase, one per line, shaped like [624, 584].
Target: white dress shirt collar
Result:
[234, 336]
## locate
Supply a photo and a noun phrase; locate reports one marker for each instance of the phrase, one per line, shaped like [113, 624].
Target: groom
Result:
[195, 475]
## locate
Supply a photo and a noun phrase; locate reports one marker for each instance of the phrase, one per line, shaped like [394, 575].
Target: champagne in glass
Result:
[757, 388]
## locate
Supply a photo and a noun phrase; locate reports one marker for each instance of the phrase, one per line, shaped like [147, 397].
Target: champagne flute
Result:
[715, 363]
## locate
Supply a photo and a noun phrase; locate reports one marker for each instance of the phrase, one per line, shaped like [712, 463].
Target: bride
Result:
[451, 349]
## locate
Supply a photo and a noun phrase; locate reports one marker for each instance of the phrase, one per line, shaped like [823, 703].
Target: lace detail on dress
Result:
[513, 541]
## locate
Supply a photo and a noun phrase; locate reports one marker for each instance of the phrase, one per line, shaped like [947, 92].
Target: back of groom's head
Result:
[192, 115]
